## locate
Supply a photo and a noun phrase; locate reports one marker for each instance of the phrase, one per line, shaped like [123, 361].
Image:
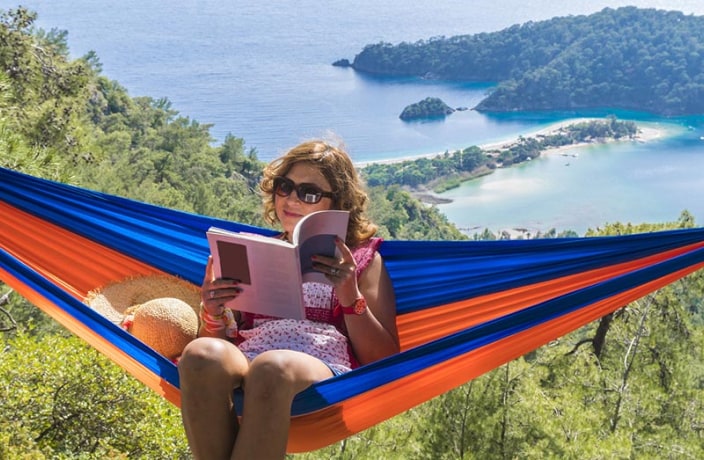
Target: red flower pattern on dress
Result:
[322, 334]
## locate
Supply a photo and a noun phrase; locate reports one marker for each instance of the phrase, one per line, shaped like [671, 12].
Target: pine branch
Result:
[4, 300]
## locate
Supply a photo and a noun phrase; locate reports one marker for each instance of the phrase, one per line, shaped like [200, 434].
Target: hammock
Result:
[464, 307]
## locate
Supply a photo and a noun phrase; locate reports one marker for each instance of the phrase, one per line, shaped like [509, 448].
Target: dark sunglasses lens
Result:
[283, 186]
[309, 193]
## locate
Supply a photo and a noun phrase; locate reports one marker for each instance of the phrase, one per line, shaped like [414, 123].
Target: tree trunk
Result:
[600, 337]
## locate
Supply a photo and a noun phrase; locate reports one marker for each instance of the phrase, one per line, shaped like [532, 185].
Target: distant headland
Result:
[627, 58]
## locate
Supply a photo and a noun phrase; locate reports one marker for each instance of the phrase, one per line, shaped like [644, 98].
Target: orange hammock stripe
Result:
[457, 316]
[360, 413]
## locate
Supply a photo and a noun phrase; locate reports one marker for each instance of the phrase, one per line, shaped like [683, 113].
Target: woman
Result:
[355, 317]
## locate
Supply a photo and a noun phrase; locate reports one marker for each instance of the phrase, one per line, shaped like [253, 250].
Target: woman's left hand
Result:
[340, 271]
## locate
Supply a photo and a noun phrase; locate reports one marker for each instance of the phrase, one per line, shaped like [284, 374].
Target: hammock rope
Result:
[464, 307]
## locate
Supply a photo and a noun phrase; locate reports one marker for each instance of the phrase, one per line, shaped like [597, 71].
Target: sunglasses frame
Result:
[307, 193]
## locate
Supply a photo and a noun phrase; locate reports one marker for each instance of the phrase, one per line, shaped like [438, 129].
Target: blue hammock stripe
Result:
[424, 273]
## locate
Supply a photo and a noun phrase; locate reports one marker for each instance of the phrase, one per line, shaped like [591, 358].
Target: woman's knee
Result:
[269, 372]
[206, 357]
[280, 372]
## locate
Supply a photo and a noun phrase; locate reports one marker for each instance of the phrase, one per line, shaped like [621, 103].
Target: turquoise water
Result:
[262, 71]
[586, 187]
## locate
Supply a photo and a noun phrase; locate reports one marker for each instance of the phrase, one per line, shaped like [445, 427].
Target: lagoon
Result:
[586, 187]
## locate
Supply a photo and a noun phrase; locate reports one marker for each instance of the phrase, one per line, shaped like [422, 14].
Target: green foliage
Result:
[685, 220]
[629, 58]
[61, 399]
[402, 217]
[430, 107]
[45, 91]
[37, 99]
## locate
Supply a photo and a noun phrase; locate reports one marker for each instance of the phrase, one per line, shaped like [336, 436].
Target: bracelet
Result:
[213, 323]
[231, 328]
[223, 321]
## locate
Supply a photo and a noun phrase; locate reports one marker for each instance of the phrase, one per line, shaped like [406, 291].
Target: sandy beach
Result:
[645, 134]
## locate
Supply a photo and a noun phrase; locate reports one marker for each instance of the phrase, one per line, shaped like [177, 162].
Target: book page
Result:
[234, 263]
[315, 235]
[268, 271]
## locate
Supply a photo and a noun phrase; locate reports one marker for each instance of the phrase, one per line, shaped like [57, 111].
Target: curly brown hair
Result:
[336, 166]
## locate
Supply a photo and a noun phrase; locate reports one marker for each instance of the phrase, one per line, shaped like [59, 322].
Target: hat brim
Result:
[112, 300]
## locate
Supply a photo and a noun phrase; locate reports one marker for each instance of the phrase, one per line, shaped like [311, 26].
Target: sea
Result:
[262, 71]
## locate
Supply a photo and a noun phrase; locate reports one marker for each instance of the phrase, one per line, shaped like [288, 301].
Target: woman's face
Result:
[291, 209]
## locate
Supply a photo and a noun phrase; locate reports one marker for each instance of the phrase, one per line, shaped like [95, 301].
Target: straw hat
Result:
[159, 310]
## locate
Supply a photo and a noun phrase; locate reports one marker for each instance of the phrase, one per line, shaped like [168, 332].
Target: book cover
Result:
[272, 271]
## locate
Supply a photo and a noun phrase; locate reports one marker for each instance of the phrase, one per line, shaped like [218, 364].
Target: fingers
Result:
[209, 272]
[216, 292]
[334, 270]
[337, 270]
[344, 250]
[221, 290]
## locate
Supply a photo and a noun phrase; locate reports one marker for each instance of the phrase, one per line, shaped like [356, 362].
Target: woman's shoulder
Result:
[370, 244]
[365, 252]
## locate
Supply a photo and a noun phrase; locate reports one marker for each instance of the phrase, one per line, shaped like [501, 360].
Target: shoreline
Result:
[645, 133]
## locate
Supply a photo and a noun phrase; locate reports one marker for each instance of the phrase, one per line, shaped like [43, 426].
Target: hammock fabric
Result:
[464, 307]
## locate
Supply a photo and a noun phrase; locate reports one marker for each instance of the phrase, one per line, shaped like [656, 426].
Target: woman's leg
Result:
[209, 370]
[273, 379]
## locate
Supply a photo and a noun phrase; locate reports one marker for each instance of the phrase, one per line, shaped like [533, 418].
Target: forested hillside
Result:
[628, 386]
[628, 58]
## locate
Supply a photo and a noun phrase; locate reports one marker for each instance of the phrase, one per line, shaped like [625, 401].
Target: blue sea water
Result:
[262, 71]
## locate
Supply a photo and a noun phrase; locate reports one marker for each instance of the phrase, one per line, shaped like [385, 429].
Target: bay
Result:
[262, 71]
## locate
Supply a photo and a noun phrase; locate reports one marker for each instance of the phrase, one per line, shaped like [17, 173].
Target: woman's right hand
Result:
[216, 292]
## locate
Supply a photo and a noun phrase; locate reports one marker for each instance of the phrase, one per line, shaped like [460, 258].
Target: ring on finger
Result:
[335, 271]
[212, 294]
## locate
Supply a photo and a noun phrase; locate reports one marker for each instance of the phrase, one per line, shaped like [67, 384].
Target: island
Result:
[430, 107]
[629, 58]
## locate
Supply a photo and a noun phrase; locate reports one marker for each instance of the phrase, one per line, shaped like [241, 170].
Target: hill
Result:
[430, 107]
[628, 58]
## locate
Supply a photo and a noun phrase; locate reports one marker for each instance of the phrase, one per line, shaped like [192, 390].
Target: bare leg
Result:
[209, 370]
[274, 378]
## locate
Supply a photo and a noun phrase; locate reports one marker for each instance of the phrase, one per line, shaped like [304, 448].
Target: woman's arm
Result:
[373, 334]
[215, 319]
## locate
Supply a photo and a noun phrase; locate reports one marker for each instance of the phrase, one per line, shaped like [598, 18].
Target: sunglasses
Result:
[307, 193]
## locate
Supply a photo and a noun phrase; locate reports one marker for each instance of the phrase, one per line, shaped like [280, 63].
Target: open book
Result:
[271, 271]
